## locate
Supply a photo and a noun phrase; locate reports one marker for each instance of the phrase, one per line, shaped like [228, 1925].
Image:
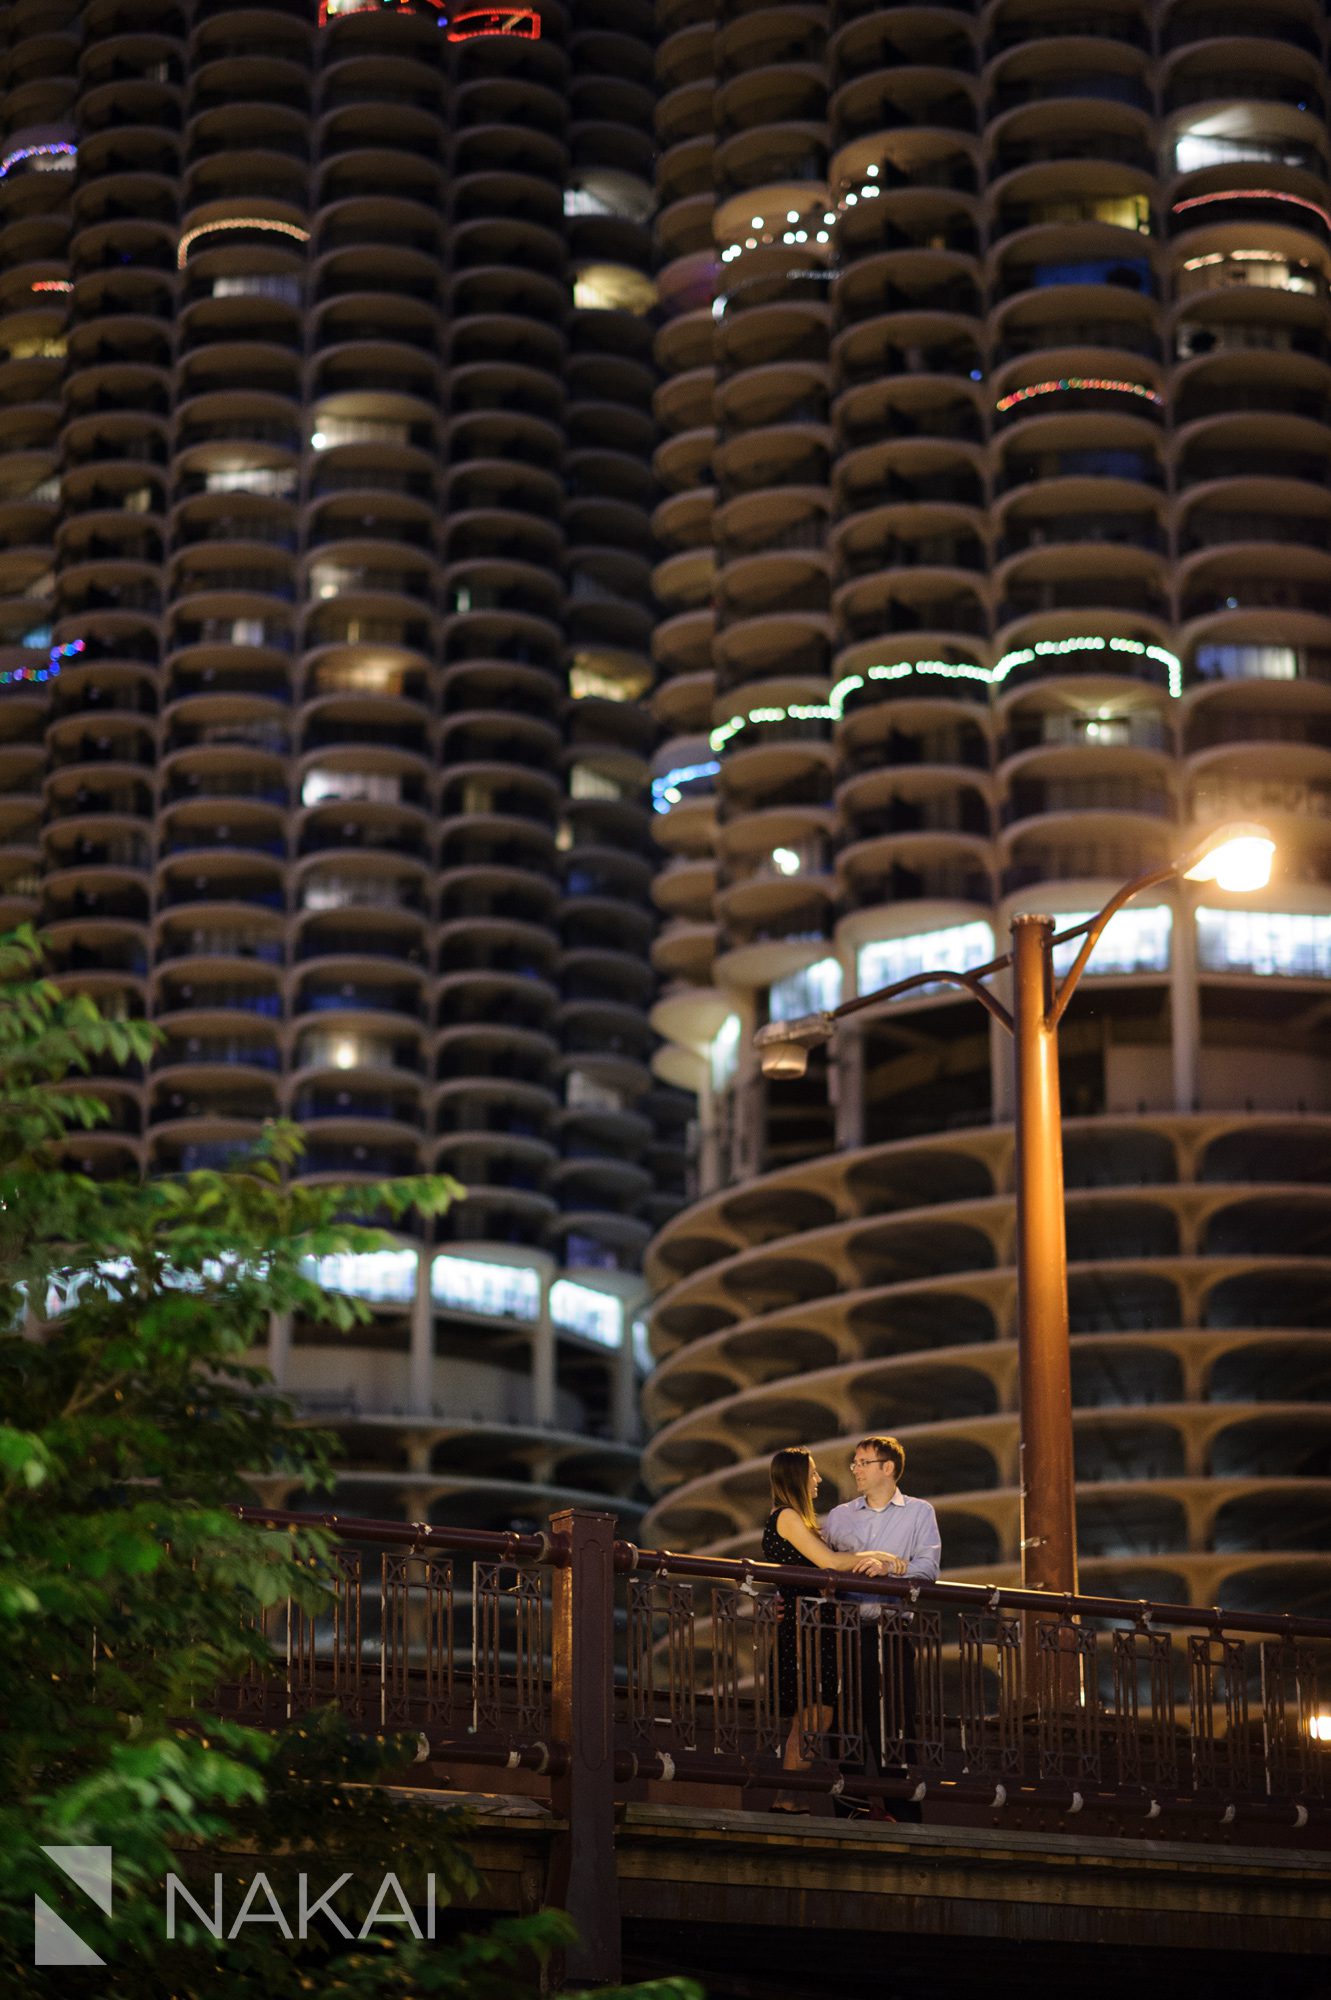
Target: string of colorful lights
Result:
[1253, 194]
[1076, 382]
[49, 149]
[1021, 656]
[55, 659]
[237, 222]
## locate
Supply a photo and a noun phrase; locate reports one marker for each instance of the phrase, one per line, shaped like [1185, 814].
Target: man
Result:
[882, 1517]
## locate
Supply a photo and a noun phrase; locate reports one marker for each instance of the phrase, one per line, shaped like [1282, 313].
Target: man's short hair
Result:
[886, 1447]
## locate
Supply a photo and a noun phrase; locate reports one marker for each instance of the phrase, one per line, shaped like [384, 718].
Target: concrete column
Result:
[543, 1363]
[624, 1405]
[279, 1347]
[709, 1139]
[1184, 1003]
[846, 1083]
[420, 1384]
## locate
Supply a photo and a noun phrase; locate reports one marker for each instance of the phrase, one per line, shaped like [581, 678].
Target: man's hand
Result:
[879, 1565]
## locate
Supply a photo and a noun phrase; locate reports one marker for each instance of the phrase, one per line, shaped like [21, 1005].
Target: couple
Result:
[881, 1532]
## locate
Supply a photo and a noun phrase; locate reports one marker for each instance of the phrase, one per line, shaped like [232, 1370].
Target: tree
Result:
[126, 1436]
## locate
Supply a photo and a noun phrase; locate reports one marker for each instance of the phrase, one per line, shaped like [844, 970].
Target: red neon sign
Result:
[522, 22]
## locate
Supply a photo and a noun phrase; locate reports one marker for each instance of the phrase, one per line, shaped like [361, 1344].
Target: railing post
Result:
[583, 1878]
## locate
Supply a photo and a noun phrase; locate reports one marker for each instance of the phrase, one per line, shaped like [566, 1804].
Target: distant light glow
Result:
[1254, 194]
[52, 285]
[725, 1052]
[191, 236]
[1076, 382]
[61, 149]
[785, 861]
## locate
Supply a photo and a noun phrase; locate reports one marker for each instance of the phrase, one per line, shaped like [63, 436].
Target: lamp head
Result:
[1237, 858]
[783, 1046]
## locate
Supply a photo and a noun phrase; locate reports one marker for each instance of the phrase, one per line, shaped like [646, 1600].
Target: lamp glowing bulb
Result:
[1237, 859]
[792, 215]
[1319, 1726]
[785, 860]
[344, 1055]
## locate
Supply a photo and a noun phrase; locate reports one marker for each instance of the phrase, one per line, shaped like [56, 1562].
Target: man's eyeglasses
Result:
[862, 1464]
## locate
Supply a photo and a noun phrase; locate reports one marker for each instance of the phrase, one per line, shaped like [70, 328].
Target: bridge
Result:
[1090, 1771]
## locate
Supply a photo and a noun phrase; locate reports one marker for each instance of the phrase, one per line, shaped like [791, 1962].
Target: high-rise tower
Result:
[324, 504]
[998, 361]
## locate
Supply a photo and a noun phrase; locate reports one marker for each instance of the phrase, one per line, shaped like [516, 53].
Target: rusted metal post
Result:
[583, 1878]
[1048, 1490]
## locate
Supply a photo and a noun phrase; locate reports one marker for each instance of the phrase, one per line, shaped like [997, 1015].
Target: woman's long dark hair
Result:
[792, 1483]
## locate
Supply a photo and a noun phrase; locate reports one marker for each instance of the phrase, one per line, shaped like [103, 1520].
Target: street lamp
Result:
[1237, 859]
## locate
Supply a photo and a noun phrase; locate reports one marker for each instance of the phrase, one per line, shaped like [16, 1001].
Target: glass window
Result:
[383, 787]
[250, 479]
[1247, 663]
[1133, 941]
[366, 1274]
[957, 948]
[500, 1291]
[815, 990]
[1292, 943]
[598, 1316]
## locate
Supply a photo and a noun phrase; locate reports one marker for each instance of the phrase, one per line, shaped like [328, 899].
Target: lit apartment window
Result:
[598, 1316]
[388, 1275]
[1133, 941]
[1261, 270]
[380, 787]
[613, 288]
[592, 676]
[330, 431]
[1292, 943]
[258, 285]
[359, 676]
[1199, 148]
[334, 1051]
[957, 948]
[500, 1291]
[815, 990]
[586, 782]
[583, 1093]
[251, 479]
[1247, 663]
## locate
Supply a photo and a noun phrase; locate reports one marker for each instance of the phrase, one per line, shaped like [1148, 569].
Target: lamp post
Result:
[1236, 858]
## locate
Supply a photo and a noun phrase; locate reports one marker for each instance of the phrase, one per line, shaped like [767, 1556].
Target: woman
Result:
[791, 1536]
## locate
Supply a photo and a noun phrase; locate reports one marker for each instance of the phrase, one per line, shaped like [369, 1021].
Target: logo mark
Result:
[54, 1943]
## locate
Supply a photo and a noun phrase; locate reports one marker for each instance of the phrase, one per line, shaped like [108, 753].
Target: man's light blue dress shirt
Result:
[905, 1527]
